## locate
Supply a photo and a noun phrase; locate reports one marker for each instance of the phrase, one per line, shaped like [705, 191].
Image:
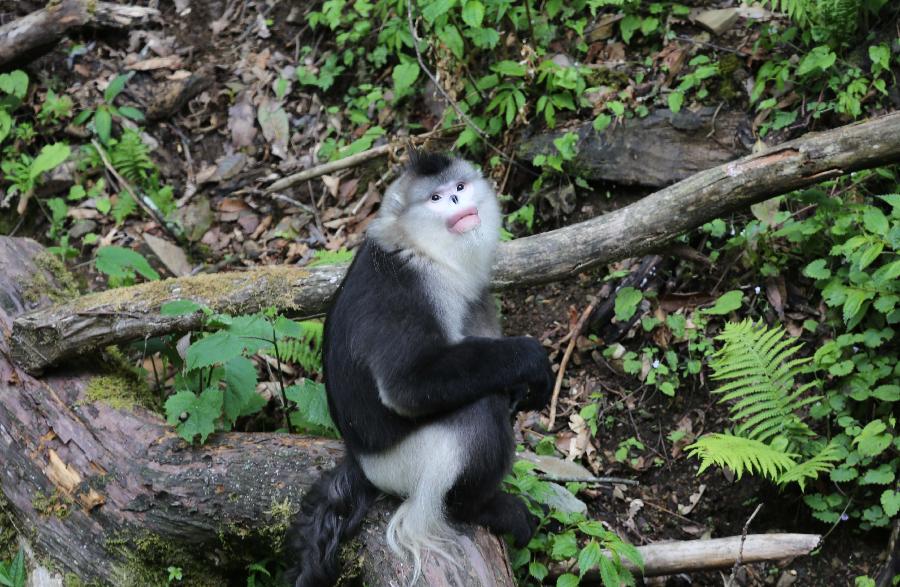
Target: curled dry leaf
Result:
[241, 122]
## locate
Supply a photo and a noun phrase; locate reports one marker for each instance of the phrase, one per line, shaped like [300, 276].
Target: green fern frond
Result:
[742, 454]
[821, 463]
[797, 10]
[760, 374]
[131, 157]
[306, 350]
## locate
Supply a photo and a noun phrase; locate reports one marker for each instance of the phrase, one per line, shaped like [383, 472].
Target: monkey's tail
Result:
[331, 512]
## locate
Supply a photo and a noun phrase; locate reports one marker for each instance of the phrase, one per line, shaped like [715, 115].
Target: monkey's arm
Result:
[450, 376]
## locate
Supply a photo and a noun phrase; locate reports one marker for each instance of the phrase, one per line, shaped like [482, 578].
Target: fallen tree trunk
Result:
[44, 337]
[47, 25]
[654, 151]
[113, 495]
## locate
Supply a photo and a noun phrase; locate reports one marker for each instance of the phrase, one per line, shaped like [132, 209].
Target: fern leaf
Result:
[760, 376]
[821, 463]
[741, 455]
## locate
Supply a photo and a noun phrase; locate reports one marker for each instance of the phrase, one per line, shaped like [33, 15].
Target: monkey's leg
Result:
[476, 497]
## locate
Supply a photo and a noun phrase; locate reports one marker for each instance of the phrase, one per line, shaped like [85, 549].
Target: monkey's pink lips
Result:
[464, 221]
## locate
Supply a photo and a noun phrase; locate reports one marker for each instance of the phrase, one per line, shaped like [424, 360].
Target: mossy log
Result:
[46, 336]
[46, 26]
[113, 496]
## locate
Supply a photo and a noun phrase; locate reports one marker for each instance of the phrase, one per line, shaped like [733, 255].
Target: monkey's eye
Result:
[460, 186]
[435, 197]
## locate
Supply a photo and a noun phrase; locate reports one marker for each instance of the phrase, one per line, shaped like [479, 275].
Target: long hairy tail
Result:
[331, 512]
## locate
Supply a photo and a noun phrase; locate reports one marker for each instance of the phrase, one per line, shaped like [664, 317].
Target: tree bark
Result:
[44, 337]
[113, 495]
[654, 151]
[47, 25]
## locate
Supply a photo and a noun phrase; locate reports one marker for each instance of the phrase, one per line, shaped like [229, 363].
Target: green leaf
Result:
[405, 75]
[818, 269]
[454, 41]
[819, 59]
[843, 474]
[484, 38]
[538, 570]
[103, 125]
[609, 574]
[5, 124]
[602, 122]
[872, 440]
[565, 545]
[567, 580]
[589, 557]
[200, 413]
[727, 302]
[119, 262]
[240, 397]
[435, 9]
[473, 13]
[132, 113]
[116, 86]
[890, 502]
[218, 347]
[50, 157]
[880, 476]
[627, 300]
[312, 405]
[628, 26]
[181, 307]
[854, 301]
[676, 100]
[14, 83]
[875, 221]
[887, 393]
[509, 68]
[880, 56]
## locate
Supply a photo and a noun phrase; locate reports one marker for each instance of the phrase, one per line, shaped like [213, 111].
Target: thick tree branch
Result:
[45, 26]
[44, 337]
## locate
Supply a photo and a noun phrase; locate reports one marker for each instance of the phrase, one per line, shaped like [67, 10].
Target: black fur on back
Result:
[427, 164]
[331, 511]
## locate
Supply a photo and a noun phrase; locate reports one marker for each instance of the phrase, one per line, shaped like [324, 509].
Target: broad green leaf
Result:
[405, 75]
[627, 300]
[880, 476]
[565, 545]
[890, 502]
[602, 122]
[218, 347]
[435, 9]
[727, 302]
[50, 157]
[875, 221]
[567, 580]
[818, 269]
[14, 83]
[854, 301]
[473, 13]
[628, 26]
[509, 68]
[240, 397]
[676, 100]
[312, 405]
[200, 413]
[608, 572]
[538, 570]
[119, 262]
[873, 439]
[819, 59]
[887, 393]
[843, 474]
[484, 38]
[880, 56]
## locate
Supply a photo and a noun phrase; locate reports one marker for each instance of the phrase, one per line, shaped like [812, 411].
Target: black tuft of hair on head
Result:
[425, 164]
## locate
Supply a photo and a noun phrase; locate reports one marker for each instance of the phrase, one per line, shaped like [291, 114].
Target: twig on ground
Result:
[573, 337]
[589, 480]
[740, 556]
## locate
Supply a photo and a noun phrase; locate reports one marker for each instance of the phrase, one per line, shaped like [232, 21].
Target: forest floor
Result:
[219, 148]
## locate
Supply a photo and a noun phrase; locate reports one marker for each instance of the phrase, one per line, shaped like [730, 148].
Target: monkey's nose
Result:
[454, 199]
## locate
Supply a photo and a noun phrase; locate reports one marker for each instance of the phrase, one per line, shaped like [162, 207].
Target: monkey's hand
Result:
[540, 377]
